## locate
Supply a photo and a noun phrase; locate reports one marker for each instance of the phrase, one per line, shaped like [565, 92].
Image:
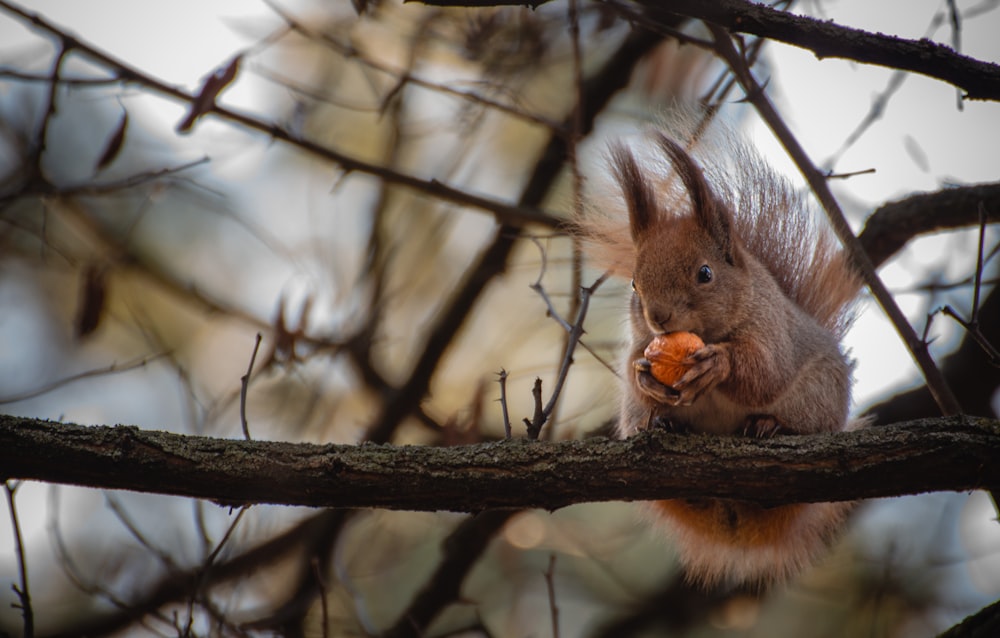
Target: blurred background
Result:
[138, 262]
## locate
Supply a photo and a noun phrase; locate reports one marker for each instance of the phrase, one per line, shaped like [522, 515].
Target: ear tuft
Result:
[640, 197]
[709, 212]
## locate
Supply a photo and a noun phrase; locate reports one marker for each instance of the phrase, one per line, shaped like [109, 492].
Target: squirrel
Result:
[730, 253]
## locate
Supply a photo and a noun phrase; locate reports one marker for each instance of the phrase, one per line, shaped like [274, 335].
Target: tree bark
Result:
[926, 455]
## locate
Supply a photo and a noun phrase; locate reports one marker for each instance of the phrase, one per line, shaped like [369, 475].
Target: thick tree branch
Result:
[955, 453]
[980, 80]
[892, 225]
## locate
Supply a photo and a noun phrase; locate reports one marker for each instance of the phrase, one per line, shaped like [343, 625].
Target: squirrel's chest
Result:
[712, 413]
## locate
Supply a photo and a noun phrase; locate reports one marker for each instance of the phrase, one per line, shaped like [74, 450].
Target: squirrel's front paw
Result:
[709, 366]
[650, 386]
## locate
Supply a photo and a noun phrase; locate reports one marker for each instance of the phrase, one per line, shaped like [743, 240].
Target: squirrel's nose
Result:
[658, 319]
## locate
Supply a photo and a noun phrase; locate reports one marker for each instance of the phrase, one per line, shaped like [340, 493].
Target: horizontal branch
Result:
[894, 224]
[980, 80]
[956, 454]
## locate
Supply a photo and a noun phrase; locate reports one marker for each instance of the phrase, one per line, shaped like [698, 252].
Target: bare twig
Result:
[972, 325]
[956, 38]
[22, 592]
[574, 338]
[318, 574]
[502, 379]
[114, 368]
[534, 425]
[41, 138]
[817, 181]
[550, 586]
[542, 415]
[44, 188]
[115, 505]
[244, 386]
[76, 577]
[554, 314]
[975, 333]
[849, 174]
[979, 264]
[881, 100]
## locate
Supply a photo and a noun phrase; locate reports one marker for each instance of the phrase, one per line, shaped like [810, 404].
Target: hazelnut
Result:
[667, 355]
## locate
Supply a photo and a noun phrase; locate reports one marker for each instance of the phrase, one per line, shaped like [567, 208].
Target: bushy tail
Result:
[722, 542]
[726, 542]
[774, 222]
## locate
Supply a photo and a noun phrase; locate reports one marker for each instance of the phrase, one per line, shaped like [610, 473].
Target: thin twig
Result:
[42, 136]
[550, 585]
[817, 181]
[225, 538]
[956, 40]
[574, 339]
[114, 368]
[91, 188]
[321, 581]
[21, 76]
[244, 386]
[115, 505]
[554, 314]
[974, 332]
[538, 418]
[22, 592]
[196, 594]
[542, 415]
[979, 265]
[848, 175]
[75, 575]
[503, 402]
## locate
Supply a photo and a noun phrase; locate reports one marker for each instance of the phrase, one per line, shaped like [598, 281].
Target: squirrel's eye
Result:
[704, 274]
[634, 289]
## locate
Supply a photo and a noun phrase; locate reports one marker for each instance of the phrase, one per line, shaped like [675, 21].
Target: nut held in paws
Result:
[666, 354]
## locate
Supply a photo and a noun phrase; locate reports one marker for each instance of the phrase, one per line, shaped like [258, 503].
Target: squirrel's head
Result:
[689, 271]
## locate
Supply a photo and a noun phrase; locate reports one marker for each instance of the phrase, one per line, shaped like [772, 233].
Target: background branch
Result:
[893, 224]
[980, 80]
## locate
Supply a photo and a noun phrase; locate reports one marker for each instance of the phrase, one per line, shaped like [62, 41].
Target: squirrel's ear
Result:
[639, 194]
[708, 211]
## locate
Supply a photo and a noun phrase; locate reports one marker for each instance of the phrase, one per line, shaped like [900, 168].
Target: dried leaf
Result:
[916, 153]
[93, 295]
[114, 145]
[210, 90]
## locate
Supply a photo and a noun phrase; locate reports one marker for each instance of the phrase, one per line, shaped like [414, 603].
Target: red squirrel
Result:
[730, 253]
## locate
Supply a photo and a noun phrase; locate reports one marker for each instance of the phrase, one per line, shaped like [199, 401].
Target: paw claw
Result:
[761, 426]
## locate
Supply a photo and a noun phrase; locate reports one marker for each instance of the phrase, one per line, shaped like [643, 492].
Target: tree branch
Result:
[980, 80]
[956, 453]
[892, 225]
